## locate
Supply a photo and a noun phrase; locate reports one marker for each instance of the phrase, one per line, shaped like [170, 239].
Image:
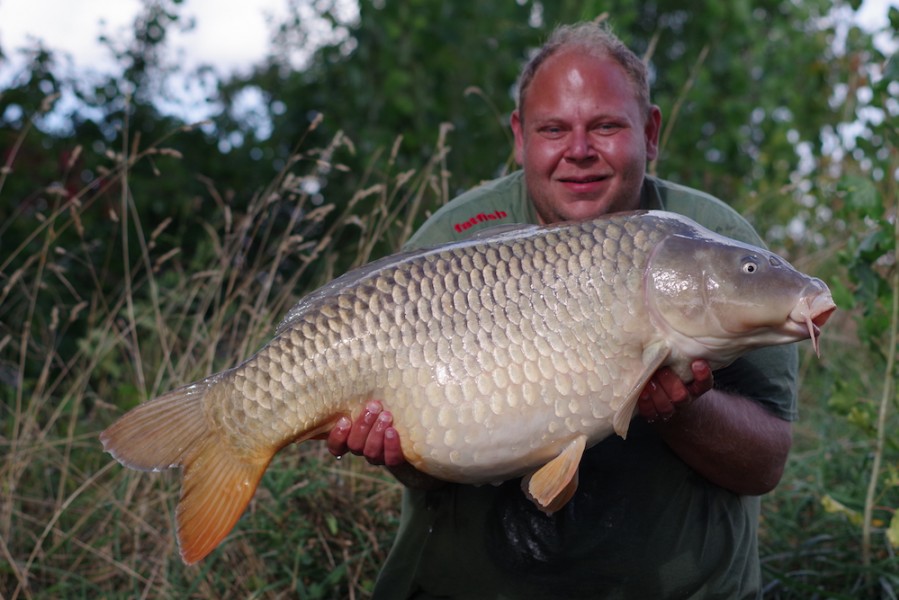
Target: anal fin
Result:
[554, 484]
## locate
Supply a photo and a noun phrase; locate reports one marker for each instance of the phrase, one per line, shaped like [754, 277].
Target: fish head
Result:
[715, 298]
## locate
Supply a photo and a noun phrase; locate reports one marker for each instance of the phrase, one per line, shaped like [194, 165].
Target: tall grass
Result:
[73, 523]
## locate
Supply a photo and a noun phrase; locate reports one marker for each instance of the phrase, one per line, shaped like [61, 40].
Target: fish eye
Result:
[750, 265]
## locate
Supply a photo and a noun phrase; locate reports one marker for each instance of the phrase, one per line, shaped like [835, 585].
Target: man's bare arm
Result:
[732, 441]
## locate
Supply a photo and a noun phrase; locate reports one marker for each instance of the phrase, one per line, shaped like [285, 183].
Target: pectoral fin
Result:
[553, 485]
[653, 357]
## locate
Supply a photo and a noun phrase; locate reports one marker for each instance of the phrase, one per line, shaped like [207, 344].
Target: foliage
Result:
[758, 89]
[140, 251]
[843, 490]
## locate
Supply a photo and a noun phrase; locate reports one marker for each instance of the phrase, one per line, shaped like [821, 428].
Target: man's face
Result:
[582, 138]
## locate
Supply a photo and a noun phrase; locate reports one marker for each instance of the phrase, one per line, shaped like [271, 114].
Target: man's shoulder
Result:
[496, 202]
[705, 209]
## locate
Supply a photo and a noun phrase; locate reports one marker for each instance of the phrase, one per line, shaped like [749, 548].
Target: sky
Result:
[230, 35]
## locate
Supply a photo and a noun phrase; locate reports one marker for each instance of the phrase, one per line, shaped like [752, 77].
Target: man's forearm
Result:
[730, 440]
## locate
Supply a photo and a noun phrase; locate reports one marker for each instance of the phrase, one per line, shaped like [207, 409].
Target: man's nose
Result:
[580, 146]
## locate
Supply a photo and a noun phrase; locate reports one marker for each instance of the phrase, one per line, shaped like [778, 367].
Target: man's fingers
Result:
[702, 378]
[338, 436]
[359, 432]
[666, 392]
[674, 391]
[645, 405]
[655, 402]
[372, 435]
[374, 443]
[393, 453]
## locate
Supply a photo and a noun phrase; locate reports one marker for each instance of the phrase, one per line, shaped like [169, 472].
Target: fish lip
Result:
[813, 311]
[810, 314]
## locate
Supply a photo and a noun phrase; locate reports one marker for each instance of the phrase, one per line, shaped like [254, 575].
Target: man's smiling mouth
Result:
[584, 179]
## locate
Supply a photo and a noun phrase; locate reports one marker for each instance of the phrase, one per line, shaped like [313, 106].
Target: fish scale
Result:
[501, 356]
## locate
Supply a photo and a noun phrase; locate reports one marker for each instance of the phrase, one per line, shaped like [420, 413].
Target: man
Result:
[671, 512]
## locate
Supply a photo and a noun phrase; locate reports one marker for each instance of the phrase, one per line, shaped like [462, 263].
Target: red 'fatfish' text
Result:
[480, 218]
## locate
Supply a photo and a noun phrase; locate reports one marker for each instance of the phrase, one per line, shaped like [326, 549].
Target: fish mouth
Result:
[810, 314]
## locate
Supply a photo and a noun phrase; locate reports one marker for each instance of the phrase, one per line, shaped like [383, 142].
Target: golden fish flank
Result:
[501, 356]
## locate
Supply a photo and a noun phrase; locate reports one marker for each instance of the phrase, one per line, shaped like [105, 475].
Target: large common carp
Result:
[504, 355]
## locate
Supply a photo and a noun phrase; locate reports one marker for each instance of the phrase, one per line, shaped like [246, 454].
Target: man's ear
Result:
[517, 130]
[651, 131]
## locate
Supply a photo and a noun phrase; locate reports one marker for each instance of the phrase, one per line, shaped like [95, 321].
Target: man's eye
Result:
[552, 131]
[607, 128]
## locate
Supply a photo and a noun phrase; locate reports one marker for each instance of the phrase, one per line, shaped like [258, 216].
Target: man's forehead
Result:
[575, 79]
[585, 59]
[565, 78]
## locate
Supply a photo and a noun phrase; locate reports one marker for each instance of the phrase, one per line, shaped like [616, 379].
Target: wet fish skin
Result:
[503, 355]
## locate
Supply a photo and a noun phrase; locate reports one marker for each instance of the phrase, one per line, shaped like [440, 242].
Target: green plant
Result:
[871, 264]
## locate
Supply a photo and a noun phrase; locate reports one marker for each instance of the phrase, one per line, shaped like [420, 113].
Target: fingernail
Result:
[343, 423]
[382, 422]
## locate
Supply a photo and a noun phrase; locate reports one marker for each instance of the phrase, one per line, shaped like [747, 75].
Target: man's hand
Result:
[371, 435]
[666, 392]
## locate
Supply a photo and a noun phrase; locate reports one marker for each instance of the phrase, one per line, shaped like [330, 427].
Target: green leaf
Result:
[842, 400]
[861, 196]
[836, 507]
[842, 295]
[893, 531]
[877, 245]
[333, 526]
[860, 417]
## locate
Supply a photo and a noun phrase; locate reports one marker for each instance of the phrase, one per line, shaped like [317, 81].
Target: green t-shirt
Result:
[642, 523]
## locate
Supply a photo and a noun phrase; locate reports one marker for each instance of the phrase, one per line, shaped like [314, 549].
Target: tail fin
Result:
[172, 431]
